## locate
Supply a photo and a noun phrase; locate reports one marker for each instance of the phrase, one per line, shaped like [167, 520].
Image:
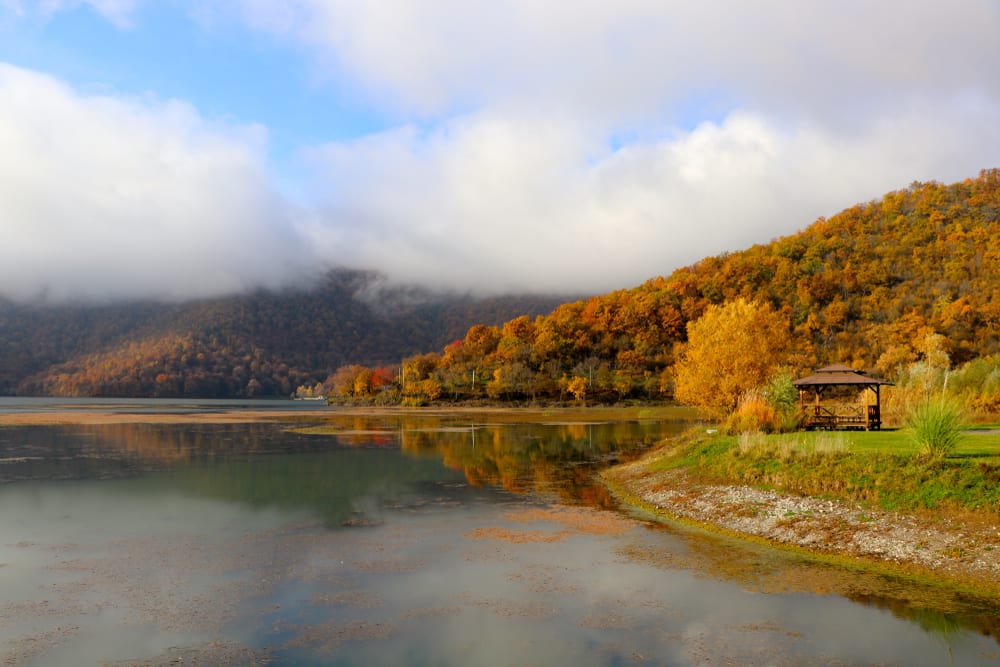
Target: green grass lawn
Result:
[883, 468]
[981, 442]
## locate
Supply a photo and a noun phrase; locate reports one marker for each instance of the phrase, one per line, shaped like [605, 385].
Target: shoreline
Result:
[242, 415]
[963, 552]
[91, 416]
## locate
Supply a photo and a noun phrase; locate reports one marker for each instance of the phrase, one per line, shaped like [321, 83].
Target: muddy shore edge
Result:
[956, 551]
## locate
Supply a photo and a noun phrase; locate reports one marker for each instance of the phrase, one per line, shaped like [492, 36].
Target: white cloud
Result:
[574, 146]
[641, 58]
[508, 176]
[528, 203]
[108, 198]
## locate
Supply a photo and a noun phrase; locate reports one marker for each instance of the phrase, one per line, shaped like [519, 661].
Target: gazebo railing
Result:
[851, 416]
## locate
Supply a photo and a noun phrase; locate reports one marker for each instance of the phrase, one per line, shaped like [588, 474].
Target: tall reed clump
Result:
[753, 414]
[772, 408]
[936, 426]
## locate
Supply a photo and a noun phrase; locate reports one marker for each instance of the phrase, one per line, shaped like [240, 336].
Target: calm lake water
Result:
[409, 540]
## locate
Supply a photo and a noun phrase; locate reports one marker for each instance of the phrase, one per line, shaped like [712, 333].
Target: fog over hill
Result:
[866, 286]
[267, 342]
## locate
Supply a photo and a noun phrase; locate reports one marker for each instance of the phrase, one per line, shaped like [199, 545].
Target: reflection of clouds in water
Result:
[431, 583]
[90, 512]
[508, 601]
[130, 572]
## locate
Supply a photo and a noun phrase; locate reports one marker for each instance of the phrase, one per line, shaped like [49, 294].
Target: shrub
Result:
[773, 408]
[935, 426]
[753, 414]
[791, 420]
[388, 397]
[781, 393]
[987, 404]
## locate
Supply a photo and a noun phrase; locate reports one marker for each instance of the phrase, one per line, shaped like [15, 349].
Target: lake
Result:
[408, 539]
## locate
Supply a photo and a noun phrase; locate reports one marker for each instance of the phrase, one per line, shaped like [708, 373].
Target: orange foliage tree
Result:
[731, 349]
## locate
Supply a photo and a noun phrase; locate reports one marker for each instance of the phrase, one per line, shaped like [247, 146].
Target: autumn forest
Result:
[880, 286]
[868, 287]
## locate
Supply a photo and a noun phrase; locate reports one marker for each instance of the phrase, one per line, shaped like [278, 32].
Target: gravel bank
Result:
[962, 548]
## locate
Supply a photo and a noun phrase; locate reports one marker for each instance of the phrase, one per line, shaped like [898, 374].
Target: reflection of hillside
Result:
[557, 458]
[506, 450]
[234, 460]
[945, 625]
[516, 456]
[342, 486]
[168, 444]
[117, 450]
[503, 449]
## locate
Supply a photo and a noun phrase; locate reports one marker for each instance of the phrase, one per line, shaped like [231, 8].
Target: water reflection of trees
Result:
[943, 624]
[337, 476]
[554, 458]
[518, 456]
[557, 458]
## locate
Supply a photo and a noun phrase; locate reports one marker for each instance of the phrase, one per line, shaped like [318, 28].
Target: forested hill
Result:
[260, 344]
[864, 287]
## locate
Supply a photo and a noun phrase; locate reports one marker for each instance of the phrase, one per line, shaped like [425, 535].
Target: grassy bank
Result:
[881, 468]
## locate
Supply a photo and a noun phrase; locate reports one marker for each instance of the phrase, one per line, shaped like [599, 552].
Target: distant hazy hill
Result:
[265, 343]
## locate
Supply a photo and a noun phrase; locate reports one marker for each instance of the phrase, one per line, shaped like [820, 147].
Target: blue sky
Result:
[175, 149]
[227, 71]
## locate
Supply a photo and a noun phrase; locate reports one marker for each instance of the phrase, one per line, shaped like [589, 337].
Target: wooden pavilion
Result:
[864, 414]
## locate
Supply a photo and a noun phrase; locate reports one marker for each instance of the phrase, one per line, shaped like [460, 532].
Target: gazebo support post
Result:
[868, 412]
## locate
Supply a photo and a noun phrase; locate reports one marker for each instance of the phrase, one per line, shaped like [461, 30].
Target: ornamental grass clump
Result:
[773, 408]
[753, 414]
[936, 426]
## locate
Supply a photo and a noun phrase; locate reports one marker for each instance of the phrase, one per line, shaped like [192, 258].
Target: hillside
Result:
[864, 287]
[265, 343]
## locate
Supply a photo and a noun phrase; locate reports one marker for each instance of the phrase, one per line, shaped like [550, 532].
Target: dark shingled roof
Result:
[838, 374]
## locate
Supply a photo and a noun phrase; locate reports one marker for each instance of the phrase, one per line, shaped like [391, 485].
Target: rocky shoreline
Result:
[961, 549]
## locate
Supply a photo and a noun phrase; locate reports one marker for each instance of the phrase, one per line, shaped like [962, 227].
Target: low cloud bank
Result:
[528, 149]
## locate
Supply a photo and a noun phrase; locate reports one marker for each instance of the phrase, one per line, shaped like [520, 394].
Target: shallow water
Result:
[417, 541]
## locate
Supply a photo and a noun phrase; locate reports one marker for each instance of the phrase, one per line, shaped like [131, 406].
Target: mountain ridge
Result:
[280, 338]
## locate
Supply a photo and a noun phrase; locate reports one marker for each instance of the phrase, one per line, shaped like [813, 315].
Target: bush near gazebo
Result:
[773, 408]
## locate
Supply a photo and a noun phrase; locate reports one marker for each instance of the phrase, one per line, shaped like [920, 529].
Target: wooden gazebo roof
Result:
[837, 375]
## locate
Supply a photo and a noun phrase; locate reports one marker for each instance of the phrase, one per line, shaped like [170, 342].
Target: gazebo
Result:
[865, 415]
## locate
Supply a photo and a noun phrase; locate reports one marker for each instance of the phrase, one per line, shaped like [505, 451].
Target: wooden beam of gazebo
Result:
[839, 375]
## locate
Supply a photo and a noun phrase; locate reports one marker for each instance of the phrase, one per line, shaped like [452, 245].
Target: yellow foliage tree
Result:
[731, 348]
[578, 387]
[430, 388]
